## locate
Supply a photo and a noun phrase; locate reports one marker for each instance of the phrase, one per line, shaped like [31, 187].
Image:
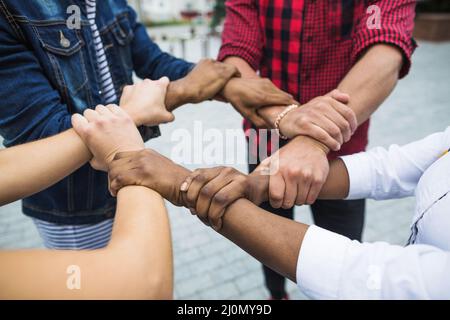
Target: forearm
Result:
[175, 96]
[32, 167]
[337, 184]
[367, 84]
[273, 240]
[269, 114]
[245, 69]
[372, 79]
[141, 235]
[136, 264]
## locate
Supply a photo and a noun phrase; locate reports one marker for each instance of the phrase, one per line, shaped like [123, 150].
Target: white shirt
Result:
[331, 266]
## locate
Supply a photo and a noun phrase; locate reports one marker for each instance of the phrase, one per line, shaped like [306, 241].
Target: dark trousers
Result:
[345, 217]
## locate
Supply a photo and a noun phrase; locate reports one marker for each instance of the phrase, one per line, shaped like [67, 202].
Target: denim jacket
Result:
[43, 80]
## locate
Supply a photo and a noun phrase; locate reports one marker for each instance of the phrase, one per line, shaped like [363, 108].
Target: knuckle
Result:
[302, 121]
[349, 113]
[119, 179]
[322, 105]
[200, 177]
[228, 170]
[221, 198]
[276, 195]
[335, 131]
[307, 175]
[318, 181]
[346, 126]
[101, 122]
[206, 191]
[294, 171]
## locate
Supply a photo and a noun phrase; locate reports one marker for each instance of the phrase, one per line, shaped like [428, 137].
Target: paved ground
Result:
[210, 267]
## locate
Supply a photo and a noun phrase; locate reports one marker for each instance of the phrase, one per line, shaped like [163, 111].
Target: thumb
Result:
[167, 117]
[164, 82]
[80, 124]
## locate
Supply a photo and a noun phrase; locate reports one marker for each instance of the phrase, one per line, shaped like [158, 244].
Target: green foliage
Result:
[218, 14]
[174, 22]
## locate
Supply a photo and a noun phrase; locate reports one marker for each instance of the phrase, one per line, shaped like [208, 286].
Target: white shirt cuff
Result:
[320, 263]
[358, 168]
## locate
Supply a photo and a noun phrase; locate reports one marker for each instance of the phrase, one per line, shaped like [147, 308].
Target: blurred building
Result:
[166, 10]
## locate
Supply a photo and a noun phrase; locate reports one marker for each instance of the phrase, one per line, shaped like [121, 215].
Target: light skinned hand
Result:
[326, 119]
[107, 131]
[145, 102]
[297, 172]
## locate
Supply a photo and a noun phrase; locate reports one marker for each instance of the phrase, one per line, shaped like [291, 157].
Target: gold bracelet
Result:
[281, 116]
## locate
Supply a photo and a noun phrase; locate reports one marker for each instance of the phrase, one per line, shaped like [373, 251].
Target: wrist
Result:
[284, 134]
[109, 159]
[270, 114]
[228, 90]
[313, 143]
[176, 95]
[133, 115]
[258, 187]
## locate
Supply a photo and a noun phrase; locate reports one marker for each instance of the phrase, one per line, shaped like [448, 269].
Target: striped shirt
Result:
[80, 237]
[108, 92]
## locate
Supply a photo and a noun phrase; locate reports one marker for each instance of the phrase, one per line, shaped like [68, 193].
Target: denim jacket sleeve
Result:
[149, 60]
[30, 108]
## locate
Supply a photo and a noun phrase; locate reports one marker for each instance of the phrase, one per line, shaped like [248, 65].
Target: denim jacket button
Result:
[65, 43]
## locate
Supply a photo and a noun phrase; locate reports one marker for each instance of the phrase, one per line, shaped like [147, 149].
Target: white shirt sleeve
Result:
[395, 172]
[331, 266]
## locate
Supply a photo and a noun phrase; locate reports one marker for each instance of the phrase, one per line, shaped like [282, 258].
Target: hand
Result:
[204, 82]
[106, 131]
[144, 102]
[150, 169]
[248, 95]
[208, 192]
[297, 172]
[326, 119]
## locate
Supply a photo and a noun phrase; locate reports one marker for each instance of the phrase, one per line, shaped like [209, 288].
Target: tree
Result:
[218, 14]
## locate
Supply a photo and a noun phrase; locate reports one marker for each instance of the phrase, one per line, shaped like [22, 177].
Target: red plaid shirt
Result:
[306, 47]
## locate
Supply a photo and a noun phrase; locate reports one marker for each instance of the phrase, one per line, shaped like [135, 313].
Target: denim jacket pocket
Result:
[62, 47]
[120, 35]
[122, 30]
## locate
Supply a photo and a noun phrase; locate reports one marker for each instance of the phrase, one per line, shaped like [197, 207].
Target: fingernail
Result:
[184, 186]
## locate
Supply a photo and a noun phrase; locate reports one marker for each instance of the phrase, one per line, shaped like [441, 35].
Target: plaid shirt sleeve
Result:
[242, 36]
[396, 27]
